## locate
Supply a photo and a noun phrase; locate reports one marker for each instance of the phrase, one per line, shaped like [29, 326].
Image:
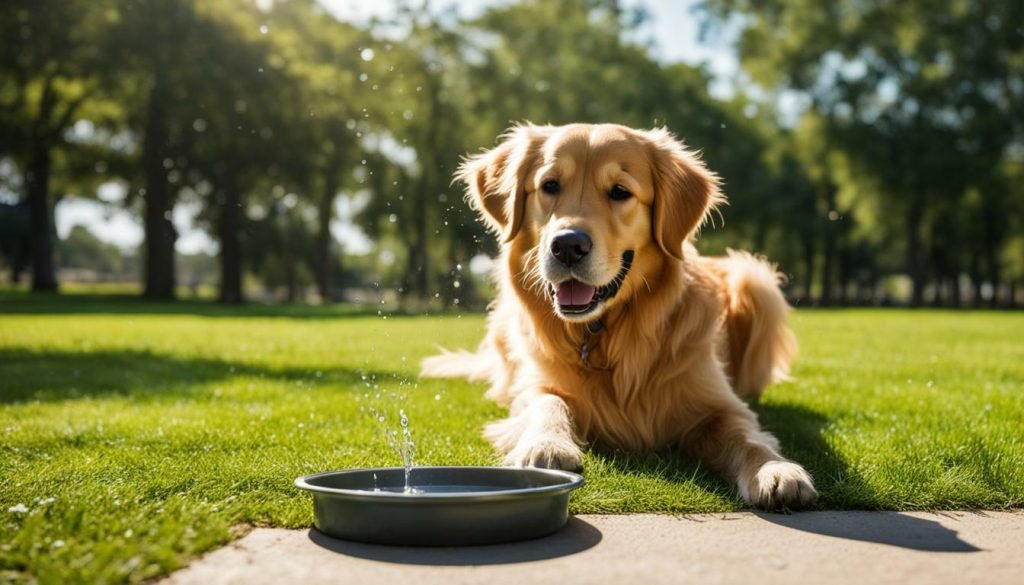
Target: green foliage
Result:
[83, 250]
[904, 162]
[914, 108]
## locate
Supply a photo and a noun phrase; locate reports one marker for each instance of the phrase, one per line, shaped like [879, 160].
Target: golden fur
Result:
[683, 339]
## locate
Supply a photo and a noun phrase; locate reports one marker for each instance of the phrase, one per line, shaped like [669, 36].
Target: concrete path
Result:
[813, 547]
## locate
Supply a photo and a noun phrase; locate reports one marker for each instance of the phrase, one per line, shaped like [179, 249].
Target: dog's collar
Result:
[591, 329]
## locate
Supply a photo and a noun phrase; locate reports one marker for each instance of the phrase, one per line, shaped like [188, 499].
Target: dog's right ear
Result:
[496, 179]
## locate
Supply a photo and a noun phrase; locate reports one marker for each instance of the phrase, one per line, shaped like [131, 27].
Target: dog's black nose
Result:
[570, 246]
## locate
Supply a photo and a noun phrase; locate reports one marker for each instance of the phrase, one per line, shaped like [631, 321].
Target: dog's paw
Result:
[548, 452]
[780, 485]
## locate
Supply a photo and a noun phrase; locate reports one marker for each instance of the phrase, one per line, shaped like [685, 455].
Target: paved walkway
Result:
[831, 548]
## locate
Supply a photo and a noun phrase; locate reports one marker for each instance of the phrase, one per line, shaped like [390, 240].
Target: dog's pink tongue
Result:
[575, 293]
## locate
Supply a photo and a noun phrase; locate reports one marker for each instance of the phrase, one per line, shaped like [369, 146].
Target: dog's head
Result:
[590, 211]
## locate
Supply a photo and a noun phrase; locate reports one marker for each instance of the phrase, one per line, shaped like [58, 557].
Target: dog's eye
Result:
[618, 193]
[551, 187]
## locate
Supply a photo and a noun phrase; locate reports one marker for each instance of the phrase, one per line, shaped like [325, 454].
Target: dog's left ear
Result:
[685, 192]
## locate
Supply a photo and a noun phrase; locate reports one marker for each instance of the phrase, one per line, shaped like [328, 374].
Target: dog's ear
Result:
[685, 192]
[496, 179]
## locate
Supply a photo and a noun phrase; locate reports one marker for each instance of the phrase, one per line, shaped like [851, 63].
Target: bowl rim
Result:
[571, 482]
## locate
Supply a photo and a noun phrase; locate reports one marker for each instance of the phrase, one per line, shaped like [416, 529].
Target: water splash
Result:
[401, 442]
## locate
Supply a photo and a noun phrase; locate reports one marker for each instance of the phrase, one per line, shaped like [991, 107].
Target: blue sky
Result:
[673, 29]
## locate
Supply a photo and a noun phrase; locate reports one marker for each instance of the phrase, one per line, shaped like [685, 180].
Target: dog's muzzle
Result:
[577, 298]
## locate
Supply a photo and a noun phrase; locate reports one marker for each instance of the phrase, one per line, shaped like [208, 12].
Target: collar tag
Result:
[592, 329]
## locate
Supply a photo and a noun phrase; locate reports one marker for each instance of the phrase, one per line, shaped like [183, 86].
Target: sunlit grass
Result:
[137, 435]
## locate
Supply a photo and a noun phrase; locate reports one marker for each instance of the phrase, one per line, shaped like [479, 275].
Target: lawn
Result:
[135, 436]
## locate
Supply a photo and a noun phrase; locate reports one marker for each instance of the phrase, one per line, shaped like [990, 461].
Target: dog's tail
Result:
[475, 367]
[760, 345]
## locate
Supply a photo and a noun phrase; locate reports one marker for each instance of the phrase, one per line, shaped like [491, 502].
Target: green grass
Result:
[138, 435]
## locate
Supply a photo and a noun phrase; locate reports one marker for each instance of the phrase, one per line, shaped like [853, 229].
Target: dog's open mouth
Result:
[579, 298]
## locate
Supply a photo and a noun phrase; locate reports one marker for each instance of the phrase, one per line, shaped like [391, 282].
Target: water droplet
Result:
[264, 29]
[366, 54]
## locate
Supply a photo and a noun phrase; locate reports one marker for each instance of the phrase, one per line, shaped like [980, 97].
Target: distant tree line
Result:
[895, 177]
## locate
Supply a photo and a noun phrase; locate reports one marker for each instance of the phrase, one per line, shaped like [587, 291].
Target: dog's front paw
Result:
[780, 485]
[547, 452]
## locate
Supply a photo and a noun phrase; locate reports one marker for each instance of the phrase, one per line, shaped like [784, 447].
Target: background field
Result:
[134, 435]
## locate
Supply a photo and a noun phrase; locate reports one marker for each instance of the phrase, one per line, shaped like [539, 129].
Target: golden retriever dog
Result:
[609, 328]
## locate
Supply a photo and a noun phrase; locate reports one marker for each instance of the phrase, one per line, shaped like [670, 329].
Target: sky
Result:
[673, 29]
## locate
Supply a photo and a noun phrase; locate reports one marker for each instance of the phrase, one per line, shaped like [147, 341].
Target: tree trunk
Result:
[291, 287]
[418, 251]
[914, 268]
[323, 249]
[809, 257]
[324, 261]
[845, 269]
[871, 298]
[940, 268]
[954, 274]
[995, 272]
[159, 230]
[830, 248]
[230, 225]
[407, 283]
[44, 276]
[976, 280]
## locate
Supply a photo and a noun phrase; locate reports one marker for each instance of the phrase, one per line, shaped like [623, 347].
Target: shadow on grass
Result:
[801, 432]
[668, 465]
[577, 536]
[59, 375]
[22, 303]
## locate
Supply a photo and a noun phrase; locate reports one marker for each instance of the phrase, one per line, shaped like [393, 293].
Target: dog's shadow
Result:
[801, 432]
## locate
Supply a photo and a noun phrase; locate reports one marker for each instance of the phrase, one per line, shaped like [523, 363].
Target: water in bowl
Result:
[441, 489]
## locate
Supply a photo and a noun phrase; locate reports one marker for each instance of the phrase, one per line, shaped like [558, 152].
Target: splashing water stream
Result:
[401, 441]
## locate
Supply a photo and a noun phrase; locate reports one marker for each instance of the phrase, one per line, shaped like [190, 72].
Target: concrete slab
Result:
[810, 547]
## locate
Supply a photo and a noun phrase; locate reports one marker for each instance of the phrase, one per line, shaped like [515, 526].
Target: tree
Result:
[334, 62]
[43, 86]
[82, 249]
[210, 129]
[925, 96]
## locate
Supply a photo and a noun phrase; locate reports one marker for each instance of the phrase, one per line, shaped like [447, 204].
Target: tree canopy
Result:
[895, 177]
